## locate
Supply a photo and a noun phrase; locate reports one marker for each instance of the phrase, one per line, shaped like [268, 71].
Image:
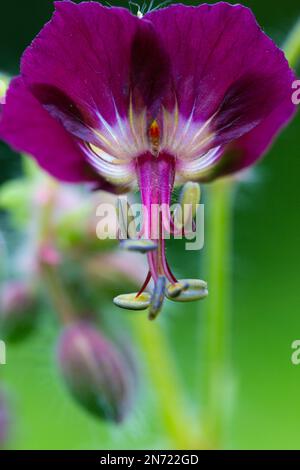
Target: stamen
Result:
[190, 195]
[195, 289]
[139, 13]
[168, 269]
[157, 298]
[164, 263]
[141, 246]
[133, 301]
[127, 226]
[174, 290]
[146, 282]
[156, 176]
[152, 262]
[189, 199]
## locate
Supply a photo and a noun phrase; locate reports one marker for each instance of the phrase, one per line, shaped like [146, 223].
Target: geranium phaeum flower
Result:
[181, 94]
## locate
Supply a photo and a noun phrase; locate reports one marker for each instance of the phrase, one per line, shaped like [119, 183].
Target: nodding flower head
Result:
[99, 376]
[174, 95]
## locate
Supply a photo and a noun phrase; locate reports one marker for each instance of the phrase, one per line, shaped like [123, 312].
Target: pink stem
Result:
[156, 179]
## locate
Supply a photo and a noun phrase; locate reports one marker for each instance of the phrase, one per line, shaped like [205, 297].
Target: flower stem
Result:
[163, 375]
[57, 294]
[216, 334]
[217, 309]
[291, 46]
[60, 299]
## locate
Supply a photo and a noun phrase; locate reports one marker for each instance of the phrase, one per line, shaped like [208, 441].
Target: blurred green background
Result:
[265, 311]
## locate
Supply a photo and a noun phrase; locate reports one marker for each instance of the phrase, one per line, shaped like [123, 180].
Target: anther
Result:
[133, 301]
[195, 289]
[141, 246]
[174, 290]
[189, 199]
[157, 298]
[127, 227]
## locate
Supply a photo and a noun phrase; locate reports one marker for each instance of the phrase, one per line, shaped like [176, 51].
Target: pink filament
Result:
[156, 179]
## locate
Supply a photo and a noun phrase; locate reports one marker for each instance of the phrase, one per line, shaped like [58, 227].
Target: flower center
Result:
[154, 136]
[156, 176]
[155, 172]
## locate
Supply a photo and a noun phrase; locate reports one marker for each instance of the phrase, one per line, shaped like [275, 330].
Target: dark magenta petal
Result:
[27, 127]
[84, 51]
[247, 103]
[214, 50]
[226, 70]
[96, 57]
[150, 69]
[65, 111]
[247, 149]
[90, 63]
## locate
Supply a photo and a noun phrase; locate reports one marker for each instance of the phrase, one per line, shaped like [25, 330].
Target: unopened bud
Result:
[17, 310]
[96, 373]
[49, 255]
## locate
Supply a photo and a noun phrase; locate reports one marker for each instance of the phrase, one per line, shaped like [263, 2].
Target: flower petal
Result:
[95, 56]
[246, 150]
[29, 128]
[229, 77]
[84, 51]
[100, 72]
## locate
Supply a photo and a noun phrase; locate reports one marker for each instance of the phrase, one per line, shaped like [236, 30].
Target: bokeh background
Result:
[265, 314]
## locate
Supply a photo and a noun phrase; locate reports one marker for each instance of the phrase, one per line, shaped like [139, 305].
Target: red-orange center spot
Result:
[154, 134]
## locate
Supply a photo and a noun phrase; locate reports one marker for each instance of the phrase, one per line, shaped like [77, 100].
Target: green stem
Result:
[56, 292]
[60, 299]
[291, 46]
[163, 375]
[218, 262]
[217, 310]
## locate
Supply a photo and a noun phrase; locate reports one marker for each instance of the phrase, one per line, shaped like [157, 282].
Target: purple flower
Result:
[182, 94]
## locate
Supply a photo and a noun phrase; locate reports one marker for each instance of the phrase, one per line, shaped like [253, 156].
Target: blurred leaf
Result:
[14, 197]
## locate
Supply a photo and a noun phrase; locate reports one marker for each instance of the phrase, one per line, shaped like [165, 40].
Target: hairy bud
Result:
[17, 310]
[96, 373]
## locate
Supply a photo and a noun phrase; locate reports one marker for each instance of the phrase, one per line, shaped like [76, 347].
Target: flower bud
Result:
[17, 310]
[96, 373]
[48, 255]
